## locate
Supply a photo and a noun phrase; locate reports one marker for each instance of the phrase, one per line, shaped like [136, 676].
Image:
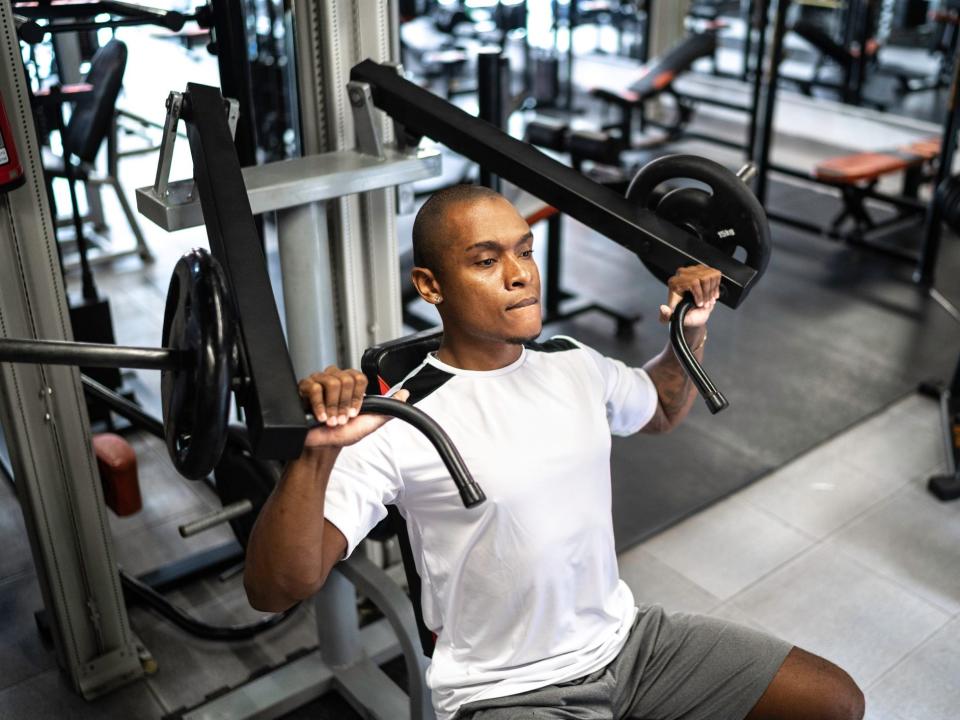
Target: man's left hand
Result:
[700, 281]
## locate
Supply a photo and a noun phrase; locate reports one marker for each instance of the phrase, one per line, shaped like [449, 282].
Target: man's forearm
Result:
[675, 391]
[284, 560]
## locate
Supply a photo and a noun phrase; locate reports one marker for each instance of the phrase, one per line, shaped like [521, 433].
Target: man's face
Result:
[489, 281]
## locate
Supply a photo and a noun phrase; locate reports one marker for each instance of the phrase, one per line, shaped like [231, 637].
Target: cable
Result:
[135, 589]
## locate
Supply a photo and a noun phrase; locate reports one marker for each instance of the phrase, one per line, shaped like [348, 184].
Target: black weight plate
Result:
[198, 320]
[727, 216]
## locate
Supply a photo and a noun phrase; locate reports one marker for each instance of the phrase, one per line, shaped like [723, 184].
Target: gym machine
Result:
[853, 191]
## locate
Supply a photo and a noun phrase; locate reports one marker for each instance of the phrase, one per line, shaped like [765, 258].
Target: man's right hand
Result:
[335, 397]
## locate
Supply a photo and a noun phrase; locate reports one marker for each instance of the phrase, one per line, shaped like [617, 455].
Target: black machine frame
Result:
[420, 113]
[925, 256]
[272, 408]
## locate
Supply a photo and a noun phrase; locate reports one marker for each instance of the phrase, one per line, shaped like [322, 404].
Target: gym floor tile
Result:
[48, 697]
[831, 605]
[912, 539]
[729, 611]
[22, 654]
[16, 558]
[225, 603]
[924, 686]
[895, 447]
[652, 582]
[191, 668]
[164, 493]
[818, 493]
[146, 549]
[728, 546]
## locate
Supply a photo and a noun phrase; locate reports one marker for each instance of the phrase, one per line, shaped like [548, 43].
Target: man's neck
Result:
[470, 354]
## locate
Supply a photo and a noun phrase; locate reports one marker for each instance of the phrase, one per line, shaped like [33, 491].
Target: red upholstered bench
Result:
[857, 174]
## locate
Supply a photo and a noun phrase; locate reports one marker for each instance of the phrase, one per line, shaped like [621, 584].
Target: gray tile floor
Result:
[842, 552]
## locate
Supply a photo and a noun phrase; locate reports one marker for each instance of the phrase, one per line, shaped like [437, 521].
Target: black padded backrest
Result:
[821, 40]
[92, 115]
[385, 365]
[388, 363]
[661, 71]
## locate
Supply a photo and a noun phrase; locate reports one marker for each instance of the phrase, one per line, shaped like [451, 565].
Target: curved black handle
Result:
[470, 491]
[713, 397]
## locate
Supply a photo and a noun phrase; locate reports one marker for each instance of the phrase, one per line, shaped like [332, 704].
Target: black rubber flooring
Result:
[831, 335]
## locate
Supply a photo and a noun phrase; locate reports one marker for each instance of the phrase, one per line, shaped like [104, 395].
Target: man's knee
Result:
[845, 698]
[807, 686]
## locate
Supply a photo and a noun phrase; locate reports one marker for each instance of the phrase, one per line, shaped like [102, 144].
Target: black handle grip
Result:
[470, 491]
[713, 397]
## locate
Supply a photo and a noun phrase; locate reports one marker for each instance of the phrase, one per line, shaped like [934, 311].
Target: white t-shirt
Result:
[523, 591]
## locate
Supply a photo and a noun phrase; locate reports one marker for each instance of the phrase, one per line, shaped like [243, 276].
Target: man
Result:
[523, 591]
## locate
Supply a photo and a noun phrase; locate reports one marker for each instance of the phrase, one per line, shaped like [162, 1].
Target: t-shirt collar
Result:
[432, 359]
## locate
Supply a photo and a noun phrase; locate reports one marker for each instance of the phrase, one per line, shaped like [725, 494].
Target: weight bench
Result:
[856, 177]
[657, 77]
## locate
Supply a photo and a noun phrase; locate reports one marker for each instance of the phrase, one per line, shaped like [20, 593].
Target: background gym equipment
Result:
[844, 174]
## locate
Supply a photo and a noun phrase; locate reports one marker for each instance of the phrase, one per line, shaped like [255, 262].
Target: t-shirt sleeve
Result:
[364, 480]
[628, 393]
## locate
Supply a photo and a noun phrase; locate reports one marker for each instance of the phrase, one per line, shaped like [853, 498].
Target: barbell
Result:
[200, 368]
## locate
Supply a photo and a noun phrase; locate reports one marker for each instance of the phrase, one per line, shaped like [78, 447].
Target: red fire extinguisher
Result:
[11, 172]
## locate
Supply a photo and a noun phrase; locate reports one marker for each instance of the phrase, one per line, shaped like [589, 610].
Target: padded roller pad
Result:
[117, 464]
[596, 145]
[868, 166]
[548, 133]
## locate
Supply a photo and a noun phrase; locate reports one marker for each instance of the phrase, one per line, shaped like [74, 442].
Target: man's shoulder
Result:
[423, 382]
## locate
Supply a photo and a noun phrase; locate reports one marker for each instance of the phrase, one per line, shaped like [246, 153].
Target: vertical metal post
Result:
[749, 7]
[765, 123]
[490, 65]
[348, 248]
[230, 35]
[933, 230]
[554, 251]
[330, 38]
[573, 17]
[647, 25]
[308, 295]
[861, 16]
[760, 19]
[43, 413]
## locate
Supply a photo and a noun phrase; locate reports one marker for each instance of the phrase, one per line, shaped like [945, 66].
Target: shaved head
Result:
[431, 228]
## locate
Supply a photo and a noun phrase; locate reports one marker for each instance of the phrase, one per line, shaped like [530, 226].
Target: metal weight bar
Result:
[217, 517]
[653, 240]
[55, 352]
[90, 354]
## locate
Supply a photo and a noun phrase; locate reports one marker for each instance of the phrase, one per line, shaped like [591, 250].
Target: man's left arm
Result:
[676, 393]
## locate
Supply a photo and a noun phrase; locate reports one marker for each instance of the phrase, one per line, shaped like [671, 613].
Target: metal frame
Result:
[637, 229]
[763, 140]
[44, 417]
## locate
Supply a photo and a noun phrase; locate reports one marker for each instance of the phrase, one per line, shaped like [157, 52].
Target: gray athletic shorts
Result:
[676, 666]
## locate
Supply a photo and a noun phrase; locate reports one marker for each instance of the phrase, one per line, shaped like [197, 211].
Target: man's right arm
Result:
[292, 546]
[290, 552]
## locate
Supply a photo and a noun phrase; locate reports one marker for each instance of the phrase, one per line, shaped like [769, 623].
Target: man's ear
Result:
[426, 284]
